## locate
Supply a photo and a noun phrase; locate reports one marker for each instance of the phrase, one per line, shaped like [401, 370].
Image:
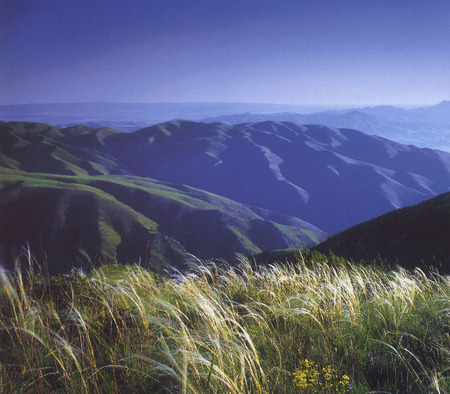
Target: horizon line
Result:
[362, 105]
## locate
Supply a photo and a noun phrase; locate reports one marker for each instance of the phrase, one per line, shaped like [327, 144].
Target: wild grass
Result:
[312, 325]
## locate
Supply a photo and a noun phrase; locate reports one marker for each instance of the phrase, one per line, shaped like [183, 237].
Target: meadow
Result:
[314, 324]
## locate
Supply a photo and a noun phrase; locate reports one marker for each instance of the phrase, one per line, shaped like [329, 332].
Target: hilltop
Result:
[209, 189]
[412, 236]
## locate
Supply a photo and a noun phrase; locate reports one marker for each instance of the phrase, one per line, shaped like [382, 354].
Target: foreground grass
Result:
[308, 326]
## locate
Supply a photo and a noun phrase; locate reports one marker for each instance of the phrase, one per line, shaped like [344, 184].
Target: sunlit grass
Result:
[226, 329]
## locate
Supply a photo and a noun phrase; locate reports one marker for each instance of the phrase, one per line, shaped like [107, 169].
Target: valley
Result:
[160, 194]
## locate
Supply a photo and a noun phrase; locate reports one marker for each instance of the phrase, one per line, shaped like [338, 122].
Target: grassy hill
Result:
[272, 165]
[286, 181]
[83, 221]
[413, 236]
[36, 147]
[69, 223]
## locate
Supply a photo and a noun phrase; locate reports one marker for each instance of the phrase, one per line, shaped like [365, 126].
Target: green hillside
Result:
[69, 223]
[415, 236]
[87, 220]
[36, 147]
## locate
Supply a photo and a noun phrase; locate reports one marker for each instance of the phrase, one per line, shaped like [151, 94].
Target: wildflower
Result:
[310, 378]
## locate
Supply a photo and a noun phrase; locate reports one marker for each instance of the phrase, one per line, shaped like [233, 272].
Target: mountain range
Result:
[332, 178]
[424, 126]
[427, 126]
[210, 189]
[76, 205]
[133, 116]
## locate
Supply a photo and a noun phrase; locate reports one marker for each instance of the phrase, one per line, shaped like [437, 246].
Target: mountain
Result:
[275, 184]
[425, 126]
[39, 147]
[130, 219]
[133, 116]
[418, 235]
[332, 178]
[439, 113]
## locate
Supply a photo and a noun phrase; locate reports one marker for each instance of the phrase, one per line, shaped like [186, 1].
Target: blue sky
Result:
[279, 51]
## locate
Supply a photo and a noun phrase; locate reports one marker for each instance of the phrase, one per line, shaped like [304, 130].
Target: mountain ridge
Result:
[285, 159]
[272, 165]
[426, 126]
[414, 236]
[286, 184]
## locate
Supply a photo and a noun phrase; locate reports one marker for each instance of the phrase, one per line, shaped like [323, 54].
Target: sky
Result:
[302, 52]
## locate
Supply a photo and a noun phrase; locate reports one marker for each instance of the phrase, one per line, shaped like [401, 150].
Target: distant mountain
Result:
[413, 236]
[439, 113]
[133, 116]
[332, 178]
[424, 127]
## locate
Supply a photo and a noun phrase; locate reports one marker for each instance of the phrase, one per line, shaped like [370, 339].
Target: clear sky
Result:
[262, 51]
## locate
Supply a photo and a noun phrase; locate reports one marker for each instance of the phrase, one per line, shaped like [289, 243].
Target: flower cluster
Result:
[311, 378]
[307, 375]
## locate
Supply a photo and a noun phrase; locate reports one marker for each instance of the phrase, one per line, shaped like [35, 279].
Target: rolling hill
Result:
[332, 178]
[413, 236]
[38, 147]
[208, 189]
[84, 220]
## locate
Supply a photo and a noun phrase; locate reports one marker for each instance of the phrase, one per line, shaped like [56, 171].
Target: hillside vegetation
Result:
[271, 165]
[311, 325]
[416, 236]
[331, 178]
[82, 221]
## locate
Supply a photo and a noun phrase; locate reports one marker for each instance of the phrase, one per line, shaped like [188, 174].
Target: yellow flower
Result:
[311, 378]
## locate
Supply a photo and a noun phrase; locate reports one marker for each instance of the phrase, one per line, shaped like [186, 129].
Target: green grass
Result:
[245, 240]
[120, 204]
[313, 325]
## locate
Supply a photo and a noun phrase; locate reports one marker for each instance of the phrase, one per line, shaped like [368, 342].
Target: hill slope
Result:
[131, 219]
[37, 147]
[413, 236]
[332, 178]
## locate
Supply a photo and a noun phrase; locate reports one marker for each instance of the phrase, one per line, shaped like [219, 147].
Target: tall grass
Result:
[226, 329]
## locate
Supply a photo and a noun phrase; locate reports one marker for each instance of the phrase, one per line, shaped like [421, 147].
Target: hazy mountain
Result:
[332, 178]
[132, 116]
[439, 113]
[413, 236]
[424, 127]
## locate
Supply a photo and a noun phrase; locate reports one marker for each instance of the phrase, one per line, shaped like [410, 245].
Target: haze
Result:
[259, 51]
